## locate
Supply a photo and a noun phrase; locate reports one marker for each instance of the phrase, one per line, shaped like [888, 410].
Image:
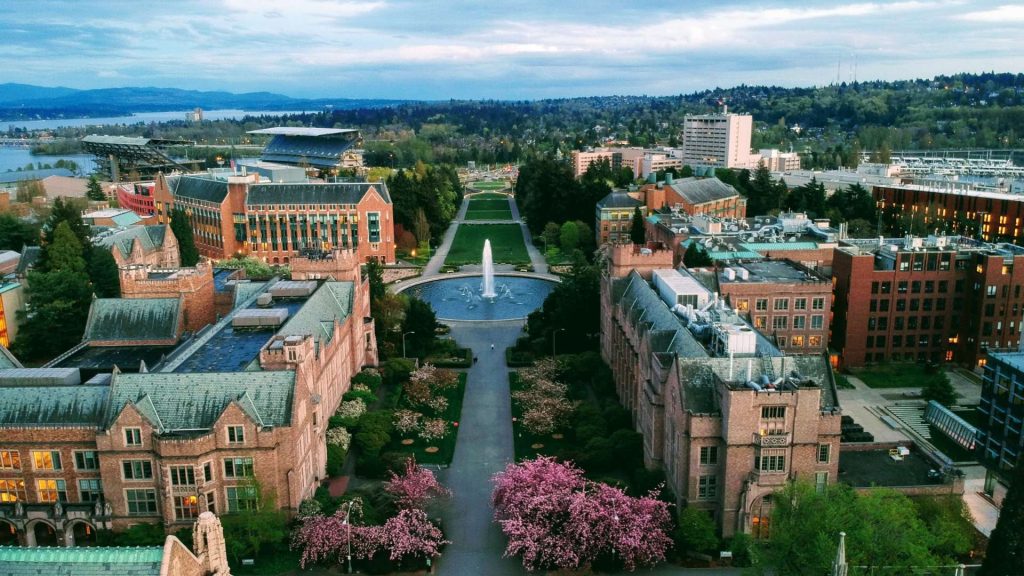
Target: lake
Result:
[14, 158]
[144, 117]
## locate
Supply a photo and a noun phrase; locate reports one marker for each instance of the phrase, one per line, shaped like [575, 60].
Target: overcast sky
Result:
[436, 49]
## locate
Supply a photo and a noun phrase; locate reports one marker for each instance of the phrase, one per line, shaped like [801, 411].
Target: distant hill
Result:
[25, 101]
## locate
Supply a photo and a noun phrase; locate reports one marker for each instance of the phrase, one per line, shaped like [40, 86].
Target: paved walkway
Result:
[483, 449]
[540, 265]
[437, 260]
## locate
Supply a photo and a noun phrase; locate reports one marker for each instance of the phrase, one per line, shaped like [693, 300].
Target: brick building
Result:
[614, 217]
[926, 299]
[695, 196]
[240, 214]
[1000, 438]
[147, 245]
[787, 302]
[727, 416]
[1000, 215]
[136, 196]
[189, 433]
[195, 286]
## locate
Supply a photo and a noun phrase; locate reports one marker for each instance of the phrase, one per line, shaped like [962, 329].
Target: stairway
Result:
[912, 416]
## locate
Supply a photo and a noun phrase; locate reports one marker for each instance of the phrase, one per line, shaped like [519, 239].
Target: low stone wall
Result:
[397, 274]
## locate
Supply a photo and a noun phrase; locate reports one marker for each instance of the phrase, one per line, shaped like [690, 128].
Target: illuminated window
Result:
[51, 490]
[186, 507]
[10, 460]
[46, 459]
[12, 490]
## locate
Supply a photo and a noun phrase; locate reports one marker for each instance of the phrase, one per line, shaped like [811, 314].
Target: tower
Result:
[208, 542]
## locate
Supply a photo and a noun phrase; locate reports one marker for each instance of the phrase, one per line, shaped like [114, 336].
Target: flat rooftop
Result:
[773, 271]
[868, 468]
[94, 359]
[1014, 359]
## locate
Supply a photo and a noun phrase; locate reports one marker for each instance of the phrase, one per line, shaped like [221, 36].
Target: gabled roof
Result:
[52, 405]
[198, 188]
[336, 193]
[619, 199]
[151, 238]
[193, 401]
[702, 190]
[133, 319]
[333, 301]
[81, 561]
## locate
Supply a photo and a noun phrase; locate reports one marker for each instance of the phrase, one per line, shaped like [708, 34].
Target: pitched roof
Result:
[337, 193]
[333, 301]
[702, 190]
[619, 199]
[7, 360]
[52, 405]
[29, 256]
[198, 188]
[81, 561]
[151, 237]
[133, 319]
[194, 401]
[22, 175]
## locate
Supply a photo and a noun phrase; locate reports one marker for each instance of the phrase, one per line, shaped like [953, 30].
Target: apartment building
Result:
[718, 140]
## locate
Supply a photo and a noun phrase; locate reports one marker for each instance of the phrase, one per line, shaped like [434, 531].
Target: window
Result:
[183, 476]
[90, 490]
[772, 461]
[237, 467]
[761, 304]
[800, 304]
[211, 502]
[760, 322]
[883, 306]
[186, 507]
[990, 290]
[814, 341]
[133, 436]
[51, 490]
[782, 303]
[915, 287]
[707, 487]
[901, 287]
[137, 469]
[781, 341]
[12, 490]
[799, 322]
[817, 322]
[874, 287]
[780, 322]
[901, 305]
[796, 341]
[241, 498]
[141, 502]
[236, 434]
[207, 472]
[886, 288]
[708, 455]
[824, 450]
[820, 482]
[46, 459]
[773, 412]
[10, 460]
[87, 460]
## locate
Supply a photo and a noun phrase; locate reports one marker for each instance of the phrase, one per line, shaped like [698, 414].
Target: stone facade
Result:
[728, 430]
[194, 285]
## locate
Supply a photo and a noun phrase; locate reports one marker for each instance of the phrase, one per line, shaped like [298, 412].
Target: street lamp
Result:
[404, 334]
[348, 534]
[554, 342]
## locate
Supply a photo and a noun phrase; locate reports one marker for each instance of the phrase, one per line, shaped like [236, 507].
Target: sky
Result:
[435, 49]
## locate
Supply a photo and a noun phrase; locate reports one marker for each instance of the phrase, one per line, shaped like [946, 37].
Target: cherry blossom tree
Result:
[411, 533]
[555, 518]
[415, 487]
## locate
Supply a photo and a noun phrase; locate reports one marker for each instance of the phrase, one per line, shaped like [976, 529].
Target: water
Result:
[144, 117]
[488, 288]
[14, 158]
[463, 298]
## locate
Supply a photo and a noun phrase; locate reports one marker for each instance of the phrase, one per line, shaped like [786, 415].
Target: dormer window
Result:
[236, 434]
[133, 436]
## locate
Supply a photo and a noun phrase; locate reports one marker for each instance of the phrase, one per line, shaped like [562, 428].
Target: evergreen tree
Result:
[15, 233]
[637, 233]
[65, 211]
[696, 257]
[421, 319]
[94, 191]
[1005, 553]
[65, 252]
[187, 251]
[104, 274]
[569, 237]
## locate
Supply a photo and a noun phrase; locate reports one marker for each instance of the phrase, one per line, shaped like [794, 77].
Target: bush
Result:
[370, 378]
[396, 370]
[368, 398]
[516, 358]
[598, 456]
[377, 421]
[335, 460]
[628, 448]
[370, 443]
[139, 535]
[644, 480]
[742, 550]
[696, 532]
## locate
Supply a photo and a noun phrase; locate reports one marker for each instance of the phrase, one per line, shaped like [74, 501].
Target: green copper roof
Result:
[151, 238]
[7, 360]
[338, 193]
[333, 301]
[194, 401]
[126, 218]
[769, 246]
[246, 290]
[78, 561]
[735, 255]
[133, 319]
[52, 405]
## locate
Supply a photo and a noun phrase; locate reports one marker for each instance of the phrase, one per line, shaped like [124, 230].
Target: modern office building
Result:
[934, 299]
[1000, 436]
[727, 416]
[718, 140]
[957, 209]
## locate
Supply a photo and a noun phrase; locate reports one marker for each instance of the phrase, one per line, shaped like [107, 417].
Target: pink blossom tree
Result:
[415, 487]
[326, 539]
[555, 518]
[411, 534]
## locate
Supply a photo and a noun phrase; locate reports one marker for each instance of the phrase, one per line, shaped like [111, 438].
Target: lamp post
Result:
[554, 343]
[404, 334]
[348, 534]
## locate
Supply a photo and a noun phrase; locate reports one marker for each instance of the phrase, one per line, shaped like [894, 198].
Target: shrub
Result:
[696, 532]
[335, 460]
[377, 421]
[310, 507]
[370, 442]
[407, 421]
[433, 429]
[369, 378]
[598, 456]
[397, 370]
[339, 437]
[351, 409]
[365, 396]
[742, 550]
[628, 448]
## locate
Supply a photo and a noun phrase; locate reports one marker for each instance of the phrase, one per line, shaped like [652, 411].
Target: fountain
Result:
[488, 271]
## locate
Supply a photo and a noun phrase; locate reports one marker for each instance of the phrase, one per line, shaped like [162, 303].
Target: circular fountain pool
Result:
[461, 298]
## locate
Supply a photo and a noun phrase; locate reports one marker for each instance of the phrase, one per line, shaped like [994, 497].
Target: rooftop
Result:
[23, 175]
[703, 190]
[765, 271]
[51, 405]
[81, 561]
[877, 468]
[619, 199]
[314, 193]
[150, 238]
[133, 319]
[1013, 359]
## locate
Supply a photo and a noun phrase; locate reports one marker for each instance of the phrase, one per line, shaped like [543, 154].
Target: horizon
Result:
[398, 49]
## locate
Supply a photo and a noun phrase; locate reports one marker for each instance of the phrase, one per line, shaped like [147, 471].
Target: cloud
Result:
[1001, 14]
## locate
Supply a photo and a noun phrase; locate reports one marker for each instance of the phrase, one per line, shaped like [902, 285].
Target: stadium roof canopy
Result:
[300, 131]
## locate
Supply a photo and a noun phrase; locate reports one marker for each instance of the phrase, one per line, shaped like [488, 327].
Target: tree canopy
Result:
[187, 251]
[1005, 553]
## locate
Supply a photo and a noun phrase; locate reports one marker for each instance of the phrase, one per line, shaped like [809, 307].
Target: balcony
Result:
[771, 440]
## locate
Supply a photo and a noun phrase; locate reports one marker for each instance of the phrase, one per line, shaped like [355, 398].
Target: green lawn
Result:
[488, 209]
[894, 375]
[447, 444]
[489, 184]
[506, 244]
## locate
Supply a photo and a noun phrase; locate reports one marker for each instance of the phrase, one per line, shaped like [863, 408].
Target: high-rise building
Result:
[1000, 437]
[718, 140]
